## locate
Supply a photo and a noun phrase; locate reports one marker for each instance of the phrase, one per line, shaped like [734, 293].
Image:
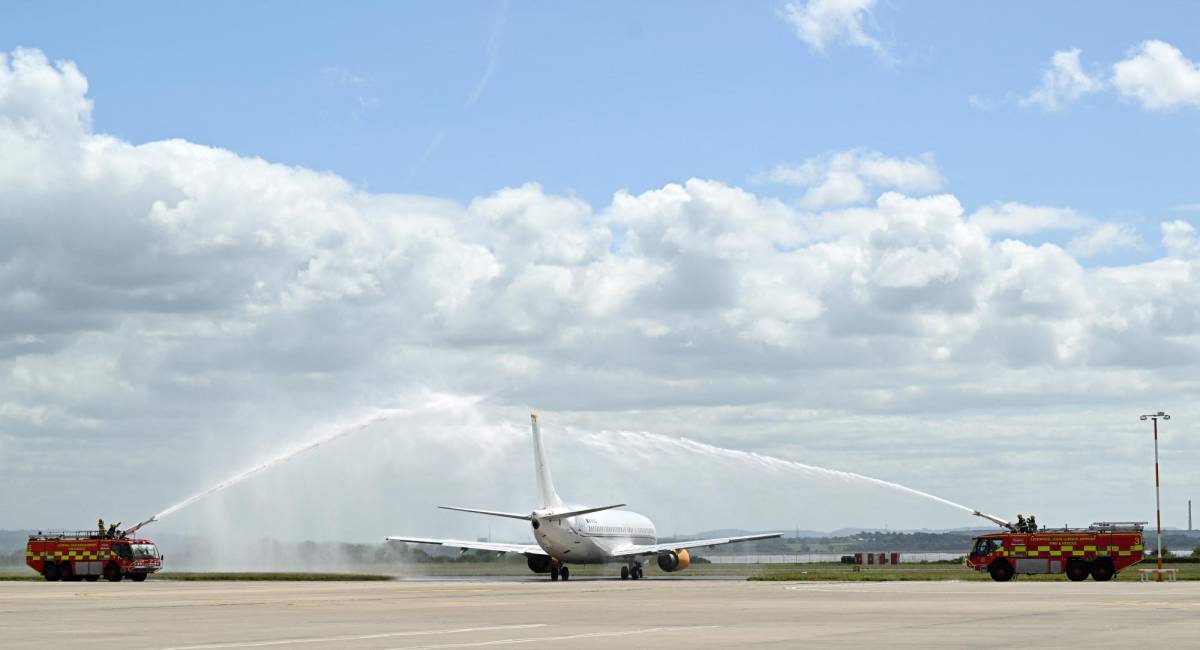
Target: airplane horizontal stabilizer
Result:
[493, 513]
[575, 513]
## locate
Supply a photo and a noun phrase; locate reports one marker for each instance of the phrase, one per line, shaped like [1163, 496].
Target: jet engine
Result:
[674, 560]
[539, 563]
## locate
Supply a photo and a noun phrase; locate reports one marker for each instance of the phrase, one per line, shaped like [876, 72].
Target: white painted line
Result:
[357, 637]
[566, 637]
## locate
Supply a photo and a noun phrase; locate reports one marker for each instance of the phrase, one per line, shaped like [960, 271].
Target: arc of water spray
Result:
[339, 432]
[713, 451]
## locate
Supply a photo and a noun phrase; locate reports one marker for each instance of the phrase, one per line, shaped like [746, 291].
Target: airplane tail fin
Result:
[546, 494]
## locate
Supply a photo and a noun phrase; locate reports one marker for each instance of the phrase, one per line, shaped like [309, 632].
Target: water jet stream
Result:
[619, 441]
[338, 432]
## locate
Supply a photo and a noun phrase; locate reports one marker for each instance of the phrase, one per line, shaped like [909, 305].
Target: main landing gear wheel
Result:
[565, 573]
[554, 573]
[624, 573]
[637, 573]
[1001, 571]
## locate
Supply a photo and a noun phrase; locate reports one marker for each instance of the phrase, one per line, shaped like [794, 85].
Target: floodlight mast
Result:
[1157, 498]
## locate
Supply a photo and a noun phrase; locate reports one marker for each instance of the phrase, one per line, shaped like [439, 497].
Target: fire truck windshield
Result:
[985, 546]
[136, 551]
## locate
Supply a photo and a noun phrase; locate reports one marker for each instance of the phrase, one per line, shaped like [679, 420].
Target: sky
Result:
[952, 246]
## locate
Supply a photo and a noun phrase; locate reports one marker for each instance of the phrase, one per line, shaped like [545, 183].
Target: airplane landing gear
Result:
[554, 573]
[633, 570]
[565, 573]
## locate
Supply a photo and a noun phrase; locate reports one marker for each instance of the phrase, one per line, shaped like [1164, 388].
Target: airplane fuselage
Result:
[583, 535]
[591, 538]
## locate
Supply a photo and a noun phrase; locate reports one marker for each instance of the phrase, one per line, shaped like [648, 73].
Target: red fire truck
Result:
[87, 555]
[1101, 550]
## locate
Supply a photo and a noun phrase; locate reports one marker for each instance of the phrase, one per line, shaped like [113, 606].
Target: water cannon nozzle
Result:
[996, 520]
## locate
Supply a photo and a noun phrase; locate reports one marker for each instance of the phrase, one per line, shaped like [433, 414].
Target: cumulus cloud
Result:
[1015, 218]
[199, 308]
[36, 95]
[1105, 238]
[1180, 240]
[855, 176]
[1156, 75]
[820, 23]
[1159, 77]
[1063, 82]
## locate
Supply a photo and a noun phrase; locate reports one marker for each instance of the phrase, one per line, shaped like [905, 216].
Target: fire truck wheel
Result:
[1077, 571]
[137, 577]
[91, 578]
[112, 572]
[1102, 571]
[1001, 571]
[50, 571]
[67, 574]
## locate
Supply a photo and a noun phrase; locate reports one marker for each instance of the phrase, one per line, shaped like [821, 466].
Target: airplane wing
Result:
[652, 549]
[523, 549]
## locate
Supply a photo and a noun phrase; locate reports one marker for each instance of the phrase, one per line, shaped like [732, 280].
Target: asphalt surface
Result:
[662, 613]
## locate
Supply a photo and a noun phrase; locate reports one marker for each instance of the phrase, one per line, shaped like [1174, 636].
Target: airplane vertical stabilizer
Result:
[546, 494]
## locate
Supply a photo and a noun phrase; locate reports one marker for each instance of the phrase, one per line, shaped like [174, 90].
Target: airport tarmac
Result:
[658, 613]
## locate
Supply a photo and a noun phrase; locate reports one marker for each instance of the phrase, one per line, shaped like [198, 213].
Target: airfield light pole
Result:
[1157, 498]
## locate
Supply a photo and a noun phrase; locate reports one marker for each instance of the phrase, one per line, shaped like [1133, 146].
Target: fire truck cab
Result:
[1101, 550]
[88, 555]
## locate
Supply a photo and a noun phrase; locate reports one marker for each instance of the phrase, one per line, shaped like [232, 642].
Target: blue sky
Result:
[590, 100]
[958, 235]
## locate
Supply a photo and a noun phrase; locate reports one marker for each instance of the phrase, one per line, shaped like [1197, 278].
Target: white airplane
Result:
[570, 534]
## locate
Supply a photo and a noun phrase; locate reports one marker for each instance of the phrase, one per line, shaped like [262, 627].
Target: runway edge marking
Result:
[565, 637]
[354, 637]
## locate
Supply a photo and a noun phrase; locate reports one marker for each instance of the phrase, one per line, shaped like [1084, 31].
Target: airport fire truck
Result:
[1101, 550]
[88, 555]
